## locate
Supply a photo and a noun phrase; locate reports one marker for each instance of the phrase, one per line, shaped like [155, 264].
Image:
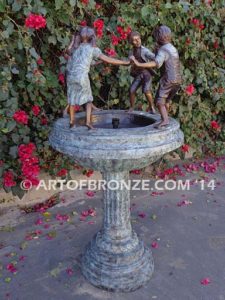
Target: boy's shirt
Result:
[143, 55]
[168, 55]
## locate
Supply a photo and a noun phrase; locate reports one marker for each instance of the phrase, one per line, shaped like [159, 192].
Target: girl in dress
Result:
[83, 51]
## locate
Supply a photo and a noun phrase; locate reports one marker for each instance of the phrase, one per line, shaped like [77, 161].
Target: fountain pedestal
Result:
[116, 259]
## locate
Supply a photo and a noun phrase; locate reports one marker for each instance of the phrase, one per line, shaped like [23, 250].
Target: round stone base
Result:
[120, 267]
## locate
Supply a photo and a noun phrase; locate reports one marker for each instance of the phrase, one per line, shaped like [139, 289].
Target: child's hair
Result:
[83, 33]
[162, 34]
[132, 34]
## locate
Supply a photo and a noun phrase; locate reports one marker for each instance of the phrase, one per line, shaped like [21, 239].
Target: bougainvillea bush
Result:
[34, 35]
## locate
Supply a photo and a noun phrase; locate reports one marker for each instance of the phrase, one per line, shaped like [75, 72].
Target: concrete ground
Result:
[40, 252]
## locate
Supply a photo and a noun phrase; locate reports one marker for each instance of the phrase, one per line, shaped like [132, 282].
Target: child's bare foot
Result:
[95, 108]
[152, 111]
[89, 126]
[130, 110]
[72, 124]
[161, 124]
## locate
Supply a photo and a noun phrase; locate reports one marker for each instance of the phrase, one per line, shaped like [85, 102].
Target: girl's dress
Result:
[78, 67]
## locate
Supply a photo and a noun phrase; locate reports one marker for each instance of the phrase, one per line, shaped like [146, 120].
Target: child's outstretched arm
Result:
[150, 64]
[114, 61]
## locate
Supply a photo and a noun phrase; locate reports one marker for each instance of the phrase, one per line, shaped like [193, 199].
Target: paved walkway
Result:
[40, 252]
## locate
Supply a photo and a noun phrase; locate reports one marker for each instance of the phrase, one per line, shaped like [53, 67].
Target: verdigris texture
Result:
[116, 259]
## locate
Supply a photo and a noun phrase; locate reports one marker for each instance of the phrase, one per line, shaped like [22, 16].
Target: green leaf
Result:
[15, 70]
[13, 151]
[73, 2]
[10, 125]
[33, 52]
[2, 5]
[58, 4]
[52, 40]
[17, 191]
[144, 11]
[16, 6]
[168, 5]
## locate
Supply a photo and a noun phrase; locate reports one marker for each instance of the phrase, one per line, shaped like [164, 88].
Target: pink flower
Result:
[44, 120]
[61, 78]
[90, 193]
[188, 41]
[215, 125]
[89, 173]
[40, 61]
[62, 172]
[85, 2]
[92, 212]
[155, 245]
[184, 203]
[190, 89]
[83, 23]
[10, 267]
[216, 44]
[185, 148]
[195, 22]
[35, 21]
[85, 213]
[39, 222]
[98, 6]
[142, 215]
[8, 179]
[115, 40]
[137, 172]
[205, 281]
[62, 217]
[22, 258]
[110, 52]
[36, 110]
[21, 117]
[98, 25]
[69, 271]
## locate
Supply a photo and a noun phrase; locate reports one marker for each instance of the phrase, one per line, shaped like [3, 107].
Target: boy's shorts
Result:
[144, 80]
[166, 92]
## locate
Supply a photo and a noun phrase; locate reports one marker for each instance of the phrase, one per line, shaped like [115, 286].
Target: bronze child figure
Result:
[83, 53]
[170, 81]
[142, 76]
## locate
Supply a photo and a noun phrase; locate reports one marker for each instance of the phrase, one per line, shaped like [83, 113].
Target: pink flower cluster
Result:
[8, 179]
[197, 23]
[21, 117]
[35, 21]
[190, 89]
[185, 148]
[36, 110]
[30, 168]
[90, 212]
[215, 125]
[123, 32]
[61, 78]
[99, 25]
[110, 52]
[62, 172]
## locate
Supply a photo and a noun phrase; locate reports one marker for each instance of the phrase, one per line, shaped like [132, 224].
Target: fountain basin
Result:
[135, 144]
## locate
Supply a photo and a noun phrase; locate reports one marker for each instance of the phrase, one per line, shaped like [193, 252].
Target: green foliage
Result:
[25, 83]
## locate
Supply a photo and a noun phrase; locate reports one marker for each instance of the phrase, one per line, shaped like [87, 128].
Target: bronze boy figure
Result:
[142, 76]
[171, 78]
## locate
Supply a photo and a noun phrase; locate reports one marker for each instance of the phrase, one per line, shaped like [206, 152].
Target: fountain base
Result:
[117, 265]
